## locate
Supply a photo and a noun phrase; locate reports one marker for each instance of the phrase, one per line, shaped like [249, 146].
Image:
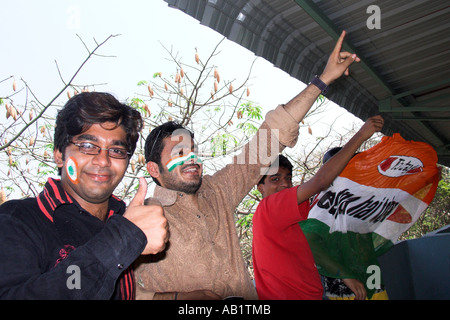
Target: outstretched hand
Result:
[372, 125]
[338, 62]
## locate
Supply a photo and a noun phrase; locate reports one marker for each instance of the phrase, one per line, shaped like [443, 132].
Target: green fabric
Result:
[343, 255]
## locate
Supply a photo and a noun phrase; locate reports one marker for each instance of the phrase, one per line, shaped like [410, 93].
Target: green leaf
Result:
[142, 83]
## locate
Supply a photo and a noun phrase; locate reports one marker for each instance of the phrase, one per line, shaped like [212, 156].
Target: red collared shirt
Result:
[282, 259]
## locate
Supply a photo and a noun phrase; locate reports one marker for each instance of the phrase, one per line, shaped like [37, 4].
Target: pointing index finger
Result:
[339, 43]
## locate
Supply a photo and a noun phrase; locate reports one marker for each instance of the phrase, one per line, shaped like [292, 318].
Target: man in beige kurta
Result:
[203, 258]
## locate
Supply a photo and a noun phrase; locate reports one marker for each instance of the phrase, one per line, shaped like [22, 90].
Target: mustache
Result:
[186, 166]
[100, 172]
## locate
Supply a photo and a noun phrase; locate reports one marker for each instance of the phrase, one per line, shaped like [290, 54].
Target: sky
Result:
[44, 41]
[38, 36]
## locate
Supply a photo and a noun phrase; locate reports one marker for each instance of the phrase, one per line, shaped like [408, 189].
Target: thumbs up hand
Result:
[150, 219]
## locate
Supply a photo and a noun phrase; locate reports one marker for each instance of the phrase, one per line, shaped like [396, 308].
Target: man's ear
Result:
[153, 169]
[260, 188]
[59, 159]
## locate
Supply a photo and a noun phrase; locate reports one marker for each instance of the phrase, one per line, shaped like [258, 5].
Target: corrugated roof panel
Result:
[410, 51]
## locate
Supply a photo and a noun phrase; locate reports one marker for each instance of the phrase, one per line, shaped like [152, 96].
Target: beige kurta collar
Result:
[168, 197]
[165, 196]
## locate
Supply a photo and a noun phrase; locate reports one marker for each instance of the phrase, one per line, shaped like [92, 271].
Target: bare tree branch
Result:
[66, 85]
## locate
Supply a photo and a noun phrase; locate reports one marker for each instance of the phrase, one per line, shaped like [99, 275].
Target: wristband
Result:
[319, 84]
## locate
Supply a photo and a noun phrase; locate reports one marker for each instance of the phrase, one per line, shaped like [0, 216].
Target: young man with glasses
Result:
[76, 240]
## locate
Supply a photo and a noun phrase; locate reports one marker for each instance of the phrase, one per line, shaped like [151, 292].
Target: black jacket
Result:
[50, 248]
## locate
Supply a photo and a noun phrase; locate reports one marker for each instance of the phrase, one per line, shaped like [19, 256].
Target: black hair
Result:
[330, 153]
[88, 108]
[154, 143]
[283, 162]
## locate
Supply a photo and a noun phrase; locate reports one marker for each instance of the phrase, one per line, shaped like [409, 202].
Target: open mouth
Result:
[191, 169]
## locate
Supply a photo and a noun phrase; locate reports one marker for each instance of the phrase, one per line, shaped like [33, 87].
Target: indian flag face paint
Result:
[178, 161]
[72, 170]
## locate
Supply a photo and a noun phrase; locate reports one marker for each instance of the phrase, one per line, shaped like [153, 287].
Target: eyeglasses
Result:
[93, 150]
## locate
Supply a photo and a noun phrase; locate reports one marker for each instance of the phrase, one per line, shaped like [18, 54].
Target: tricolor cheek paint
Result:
[178, 161]
[72, 170]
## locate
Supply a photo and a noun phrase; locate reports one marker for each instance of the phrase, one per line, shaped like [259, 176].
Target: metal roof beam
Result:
[314, 11]
[414, 109]
[419, 119]
[431, 100]
[385, 106]
[430, 86]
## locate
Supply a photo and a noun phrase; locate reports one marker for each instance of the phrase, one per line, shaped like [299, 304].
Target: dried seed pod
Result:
[14, 85]
[147, 110]
[182, 91]
[309, 130]
[197, 58]
[166, 87]
[43, 129]
[216, 86]
[13, 112]
[239, 114]
[231, 88]
[31, 141]
[133, 165]
[248, 92]
[141, 159]
[150, 90]
[31, 115]
[216, 75]
[181, 72]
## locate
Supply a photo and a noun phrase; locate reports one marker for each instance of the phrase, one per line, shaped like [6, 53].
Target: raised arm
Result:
[333, 167]
[281, 123]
